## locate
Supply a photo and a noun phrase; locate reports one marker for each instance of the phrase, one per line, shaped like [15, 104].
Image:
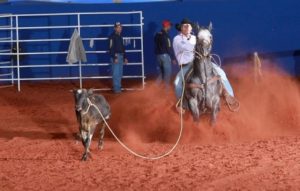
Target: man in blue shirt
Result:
[164, 53]
[118, 56]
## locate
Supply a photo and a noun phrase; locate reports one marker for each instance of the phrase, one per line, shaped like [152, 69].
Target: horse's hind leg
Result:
[193, 104]
[101, 141]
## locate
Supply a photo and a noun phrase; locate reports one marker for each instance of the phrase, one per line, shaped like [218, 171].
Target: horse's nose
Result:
[206, 42]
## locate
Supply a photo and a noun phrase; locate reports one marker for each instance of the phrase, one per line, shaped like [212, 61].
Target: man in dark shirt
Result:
[118, 56]
[164, 53]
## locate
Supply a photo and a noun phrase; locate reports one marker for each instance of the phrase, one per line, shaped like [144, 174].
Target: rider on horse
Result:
[184, 46]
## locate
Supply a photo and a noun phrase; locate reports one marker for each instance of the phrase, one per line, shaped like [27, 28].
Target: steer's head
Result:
[80, 96]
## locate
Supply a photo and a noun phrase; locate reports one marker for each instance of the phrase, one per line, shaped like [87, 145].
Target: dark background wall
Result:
[240, 27]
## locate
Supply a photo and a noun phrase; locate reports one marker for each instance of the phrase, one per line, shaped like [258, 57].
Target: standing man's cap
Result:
[166, 23]
[118, 24]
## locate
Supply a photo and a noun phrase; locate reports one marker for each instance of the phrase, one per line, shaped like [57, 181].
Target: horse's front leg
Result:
[215, 111]
[101, 141]
[193, 105]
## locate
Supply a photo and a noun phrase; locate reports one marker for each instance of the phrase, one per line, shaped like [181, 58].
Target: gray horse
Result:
[203, 87]
[89, 117]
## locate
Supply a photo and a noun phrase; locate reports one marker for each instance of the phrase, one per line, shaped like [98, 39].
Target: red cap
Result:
[166, 23]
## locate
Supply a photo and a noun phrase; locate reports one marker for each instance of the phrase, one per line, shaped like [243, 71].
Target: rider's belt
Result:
[184, 65]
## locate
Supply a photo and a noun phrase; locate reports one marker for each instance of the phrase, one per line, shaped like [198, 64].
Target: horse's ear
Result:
[210, 27]
[197, 27]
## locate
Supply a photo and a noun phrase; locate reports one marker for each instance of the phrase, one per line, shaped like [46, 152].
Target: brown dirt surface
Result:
[256, 148]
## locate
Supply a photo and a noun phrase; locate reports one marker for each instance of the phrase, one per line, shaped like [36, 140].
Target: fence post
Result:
[18, 55]
[80, 67]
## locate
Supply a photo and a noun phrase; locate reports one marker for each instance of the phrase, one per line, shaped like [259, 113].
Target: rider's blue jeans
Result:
[224, 79]
[178, 82]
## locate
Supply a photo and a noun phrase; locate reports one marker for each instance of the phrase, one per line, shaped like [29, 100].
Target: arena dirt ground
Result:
[257, 148]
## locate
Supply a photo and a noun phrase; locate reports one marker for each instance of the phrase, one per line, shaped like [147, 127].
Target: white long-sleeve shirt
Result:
[183, 48]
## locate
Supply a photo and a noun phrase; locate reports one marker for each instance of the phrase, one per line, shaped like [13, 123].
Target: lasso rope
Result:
[126, 147]
[134, 152]
[181, 121]
[219, 59]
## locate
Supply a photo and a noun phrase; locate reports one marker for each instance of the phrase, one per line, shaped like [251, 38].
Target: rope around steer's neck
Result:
[87, 110]
[126, 147]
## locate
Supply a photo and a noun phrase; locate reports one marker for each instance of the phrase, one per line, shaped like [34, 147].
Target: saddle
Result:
[202, 87]
[232, 103]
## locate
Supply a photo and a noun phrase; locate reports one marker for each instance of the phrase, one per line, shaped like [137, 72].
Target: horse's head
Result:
[204, 40]
[80, 96]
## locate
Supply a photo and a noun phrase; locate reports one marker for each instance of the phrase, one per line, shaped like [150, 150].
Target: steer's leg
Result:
[84, 139]
[88, 142]
[78, 135]
[101, 141]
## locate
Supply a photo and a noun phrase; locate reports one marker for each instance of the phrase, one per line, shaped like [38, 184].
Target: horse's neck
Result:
[203, 68]
[202, 63]
[197, 65]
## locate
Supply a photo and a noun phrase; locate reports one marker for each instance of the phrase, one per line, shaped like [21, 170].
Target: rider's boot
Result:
[232, 103]
[180, 107]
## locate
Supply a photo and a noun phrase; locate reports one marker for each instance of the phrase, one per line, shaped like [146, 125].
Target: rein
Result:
[201, 86]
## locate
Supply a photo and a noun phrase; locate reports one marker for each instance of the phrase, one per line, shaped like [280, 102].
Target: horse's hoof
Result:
[196, 119]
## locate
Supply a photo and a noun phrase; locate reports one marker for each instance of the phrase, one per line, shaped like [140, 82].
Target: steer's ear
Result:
[73, 91]
[90, 91]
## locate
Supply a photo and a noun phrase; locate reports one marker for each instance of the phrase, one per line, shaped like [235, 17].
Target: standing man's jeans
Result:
[179, 79]
[165, 68]
[224, 79]
[117, 73]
